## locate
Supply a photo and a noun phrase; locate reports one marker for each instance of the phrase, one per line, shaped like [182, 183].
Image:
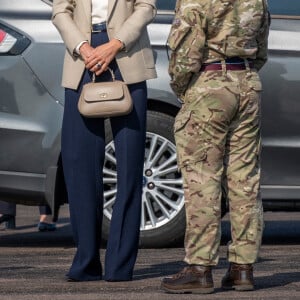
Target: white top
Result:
[99, 11]
[99, 15]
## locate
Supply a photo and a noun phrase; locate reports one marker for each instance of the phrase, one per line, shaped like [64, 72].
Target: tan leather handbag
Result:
[105, 99]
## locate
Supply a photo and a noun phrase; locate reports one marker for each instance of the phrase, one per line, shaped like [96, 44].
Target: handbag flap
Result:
[103, 91]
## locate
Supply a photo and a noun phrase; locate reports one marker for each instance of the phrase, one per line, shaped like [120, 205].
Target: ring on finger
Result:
[98, 65]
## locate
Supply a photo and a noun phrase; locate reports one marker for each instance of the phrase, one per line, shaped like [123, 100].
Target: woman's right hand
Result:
[102, 55]
[85, 51]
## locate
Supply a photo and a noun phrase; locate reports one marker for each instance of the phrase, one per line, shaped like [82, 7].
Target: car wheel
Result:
[162, 213]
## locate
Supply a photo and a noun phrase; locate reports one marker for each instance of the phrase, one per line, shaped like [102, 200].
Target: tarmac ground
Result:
[33, 264]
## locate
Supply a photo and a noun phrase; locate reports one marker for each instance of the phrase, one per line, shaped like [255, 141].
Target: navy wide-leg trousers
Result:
[83, 151]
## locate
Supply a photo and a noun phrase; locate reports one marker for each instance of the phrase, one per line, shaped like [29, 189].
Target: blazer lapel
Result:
[111, 5]
[88, 9]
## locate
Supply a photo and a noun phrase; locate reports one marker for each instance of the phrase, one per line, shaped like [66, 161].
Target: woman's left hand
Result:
[102, 55]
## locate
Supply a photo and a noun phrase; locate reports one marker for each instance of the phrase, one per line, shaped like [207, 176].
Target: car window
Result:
[284, 7]
[166, 4]
[276, 7]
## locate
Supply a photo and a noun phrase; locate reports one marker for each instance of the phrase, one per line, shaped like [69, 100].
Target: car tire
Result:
[167, 232]
[170, 228]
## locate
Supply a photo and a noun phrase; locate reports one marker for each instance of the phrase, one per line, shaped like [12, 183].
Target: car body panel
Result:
[30, 112]
[32, 109]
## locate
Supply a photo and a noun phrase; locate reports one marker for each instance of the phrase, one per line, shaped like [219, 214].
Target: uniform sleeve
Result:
[186, 42]
[262, 40]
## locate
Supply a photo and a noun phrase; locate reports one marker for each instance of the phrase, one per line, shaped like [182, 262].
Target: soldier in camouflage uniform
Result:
[217, 48]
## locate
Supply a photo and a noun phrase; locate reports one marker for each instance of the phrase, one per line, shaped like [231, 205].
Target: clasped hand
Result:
[98, 59]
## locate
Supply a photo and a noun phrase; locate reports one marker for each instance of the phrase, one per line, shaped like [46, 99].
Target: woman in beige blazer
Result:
[98, 34]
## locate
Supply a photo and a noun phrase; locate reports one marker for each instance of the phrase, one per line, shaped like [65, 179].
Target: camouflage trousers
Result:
[217, 134]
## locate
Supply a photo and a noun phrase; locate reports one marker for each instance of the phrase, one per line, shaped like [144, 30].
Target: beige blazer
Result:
[127, 20]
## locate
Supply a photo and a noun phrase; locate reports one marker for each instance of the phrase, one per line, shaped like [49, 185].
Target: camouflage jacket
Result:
[205, 31]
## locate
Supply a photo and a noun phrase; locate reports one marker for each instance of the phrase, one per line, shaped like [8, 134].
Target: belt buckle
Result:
[95, 31]
[100, 25]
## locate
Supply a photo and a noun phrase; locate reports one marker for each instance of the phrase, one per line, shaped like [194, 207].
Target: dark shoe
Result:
[118, 279]
[68, 279]
[192, 279]
[10, 221]
[5, 218]
[239, 277]
[93, 278]
[42, 226]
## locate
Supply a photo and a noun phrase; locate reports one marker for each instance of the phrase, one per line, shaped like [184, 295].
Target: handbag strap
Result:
[111, 73]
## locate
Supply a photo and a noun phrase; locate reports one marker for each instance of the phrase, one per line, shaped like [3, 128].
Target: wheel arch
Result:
[164, 107]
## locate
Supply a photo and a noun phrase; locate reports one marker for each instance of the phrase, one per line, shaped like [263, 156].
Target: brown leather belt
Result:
[229, 66]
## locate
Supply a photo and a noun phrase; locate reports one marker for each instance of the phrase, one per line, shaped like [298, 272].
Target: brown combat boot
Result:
[192, 279]
[239, 277]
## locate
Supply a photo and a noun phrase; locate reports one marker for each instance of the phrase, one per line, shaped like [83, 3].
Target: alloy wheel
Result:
[162, 197]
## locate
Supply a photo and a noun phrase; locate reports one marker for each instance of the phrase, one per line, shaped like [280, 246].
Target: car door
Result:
[281, 104]
[30, 112]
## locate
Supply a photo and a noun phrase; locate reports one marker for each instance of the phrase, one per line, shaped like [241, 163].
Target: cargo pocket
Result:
[254, 82]
[253, 107]
[256, 85]
[191, 148]
[181, 120]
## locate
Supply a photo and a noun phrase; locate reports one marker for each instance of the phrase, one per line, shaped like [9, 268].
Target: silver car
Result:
[31, 108]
